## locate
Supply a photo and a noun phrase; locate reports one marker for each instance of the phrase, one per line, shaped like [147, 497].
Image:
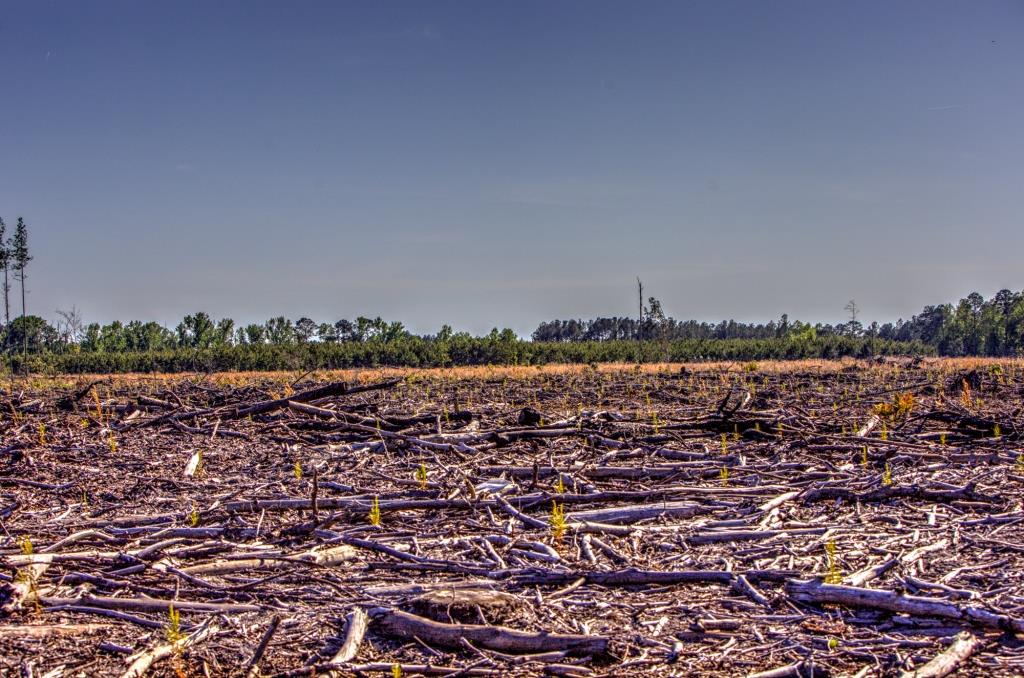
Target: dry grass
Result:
[483, 372]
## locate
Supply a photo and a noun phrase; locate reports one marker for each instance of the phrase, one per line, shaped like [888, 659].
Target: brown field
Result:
[807, 518]
[363, 375]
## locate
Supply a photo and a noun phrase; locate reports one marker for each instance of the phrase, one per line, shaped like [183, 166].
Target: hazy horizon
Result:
[490, 165]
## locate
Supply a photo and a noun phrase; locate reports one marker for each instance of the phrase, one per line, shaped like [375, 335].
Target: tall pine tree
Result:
[19, 252]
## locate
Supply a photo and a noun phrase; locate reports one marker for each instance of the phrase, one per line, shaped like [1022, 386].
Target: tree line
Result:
[974, 326]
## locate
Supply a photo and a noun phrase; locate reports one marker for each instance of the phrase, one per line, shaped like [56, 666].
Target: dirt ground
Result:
[817, 518]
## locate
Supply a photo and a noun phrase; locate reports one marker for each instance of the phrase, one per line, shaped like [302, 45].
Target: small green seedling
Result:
[421, 476]
[172, 629]
[297, 470]
[834, 576]
[99, 406]
[557, 521]
[887, 475]
[375, 513]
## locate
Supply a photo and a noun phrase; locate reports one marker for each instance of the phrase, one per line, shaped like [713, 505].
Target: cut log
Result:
[949, 661]
[49, 630]
[142, 662]
[356, 622]
[853, 596]
[327, 557]
[869, 426]
[871, 573]
[149, 604]
[409, 626]
[633, 514]
[461, 605]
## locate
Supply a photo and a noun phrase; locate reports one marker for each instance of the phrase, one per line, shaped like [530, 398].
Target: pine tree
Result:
[5, 262]
[19, 252]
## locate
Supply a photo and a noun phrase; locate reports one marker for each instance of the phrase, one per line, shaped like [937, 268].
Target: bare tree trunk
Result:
[7, 299]
[24, 325]
[640, 293]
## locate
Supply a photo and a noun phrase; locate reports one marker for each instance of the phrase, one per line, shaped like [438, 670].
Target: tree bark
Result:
[408, 626]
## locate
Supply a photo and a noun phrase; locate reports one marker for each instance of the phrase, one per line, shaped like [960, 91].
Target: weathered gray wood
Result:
[146, 659]
[950, 660]
[356, 623]
[408, 626]
[853, 596]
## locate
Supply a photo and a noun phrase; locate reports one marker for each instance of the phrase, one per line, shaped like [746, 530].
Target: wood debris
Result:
[867, 520]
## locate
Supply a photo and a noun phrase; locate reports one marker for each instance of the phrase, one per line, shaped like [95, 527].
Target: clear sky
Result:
[501, 163]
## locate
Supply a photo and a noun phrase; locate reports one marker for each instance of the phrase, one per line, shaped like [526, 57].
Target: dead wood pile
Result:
[853, 522]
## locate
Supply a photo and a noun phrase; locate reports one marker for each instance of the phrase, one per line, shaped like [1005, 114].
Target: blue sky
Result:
[498, 164]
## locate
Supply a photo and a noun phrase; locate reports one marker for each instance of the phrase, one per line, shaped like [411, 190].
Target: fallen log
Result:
[326, 391]
[633, 514]
[871, 573]
[145, 660]
[252, 668]
[813, 591]
[325, 558]
[409, 626]
[965, 645]
[149, 604]
[386, 668]
[49, 630]
[239, 411]
[885, 493]
[794, 670]
[632, 576]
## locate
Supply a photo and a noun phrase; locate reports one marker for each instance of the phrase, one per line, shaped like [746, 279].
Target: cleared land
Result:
[726, 519]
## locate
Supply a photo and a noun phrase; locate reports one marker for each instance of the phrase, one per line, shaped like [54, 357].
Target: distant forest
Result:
[974, 326]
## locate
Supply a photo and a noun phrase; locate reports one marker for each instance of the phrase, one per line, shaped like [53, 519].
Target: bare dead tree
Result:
[640, 294]
[70, 327]
[851, 307]
[853, 326]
